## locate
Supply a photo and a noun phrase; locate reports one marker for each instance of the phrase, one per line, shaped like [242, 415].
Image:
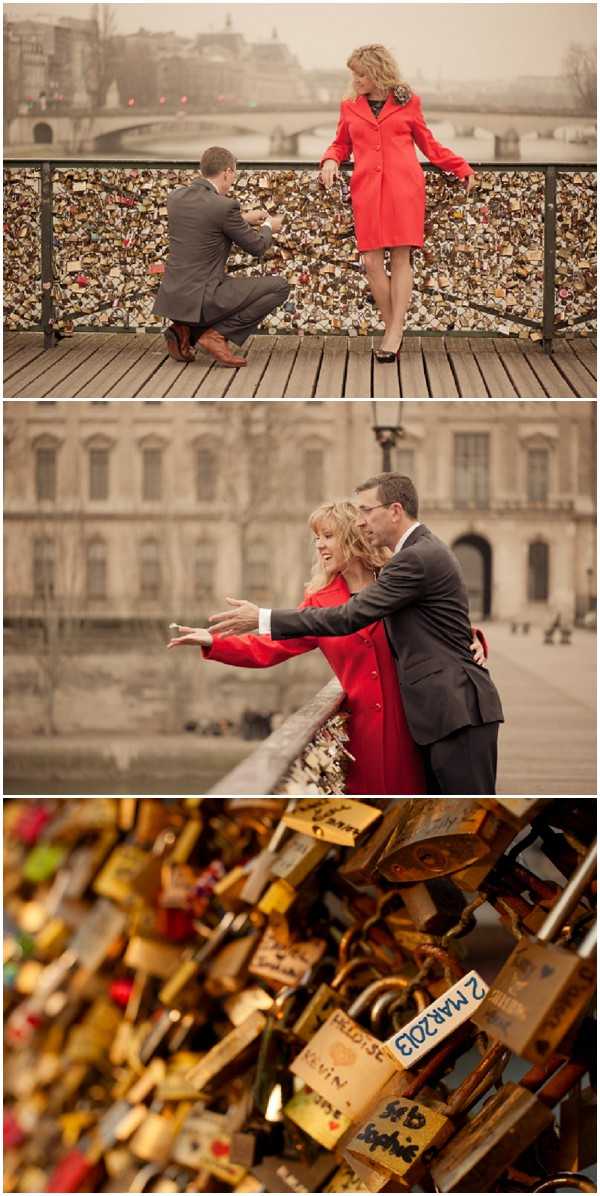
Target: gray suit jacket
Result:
[202, 227]
[420, 594]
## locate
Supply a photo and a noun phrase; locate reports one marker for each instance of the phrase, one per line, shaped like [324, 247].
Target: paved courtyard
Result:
[548, 742]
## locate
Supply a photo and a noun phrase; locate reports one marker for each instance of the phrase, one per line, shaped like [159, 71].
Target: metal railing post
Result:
[549, 256]
[47, 264]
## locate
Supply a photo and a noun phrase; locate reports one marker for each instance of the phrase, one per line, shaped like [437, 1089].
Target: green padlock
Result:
[42, 862]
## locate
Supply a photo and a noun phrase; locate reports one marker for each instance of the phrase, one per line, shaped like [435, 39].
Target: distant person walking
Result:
[380, 127]
[207, 305]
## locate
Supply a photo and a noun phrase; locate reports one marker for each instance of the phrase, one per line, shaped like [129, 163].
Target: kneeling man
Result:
[207, 305]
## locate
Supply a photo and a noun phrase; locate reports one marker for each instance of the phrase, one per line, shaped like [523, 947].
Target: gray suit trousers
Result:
[238, 305]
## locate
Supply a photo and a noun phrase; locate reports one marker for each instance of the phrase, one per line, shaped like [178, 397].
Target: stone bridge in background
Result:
[97, 132]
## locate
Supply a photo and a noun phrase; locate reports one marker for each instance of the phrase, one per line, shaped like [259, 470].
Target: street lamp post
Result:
[388, 431]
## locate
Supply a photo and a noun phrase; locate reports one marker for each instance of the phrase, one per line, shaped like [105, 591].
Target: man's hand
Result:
[242, 619]
[192, 635]
[471, 183]
[255, 215]
[276, 223]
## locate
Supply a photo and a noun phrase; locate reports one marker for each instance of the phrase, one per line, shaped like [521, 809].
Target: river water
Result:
[255, 147]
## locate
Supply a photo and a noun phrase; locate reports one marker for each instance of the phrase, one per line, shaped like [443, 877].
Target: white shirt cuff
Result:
[268, 222]
[264, 621]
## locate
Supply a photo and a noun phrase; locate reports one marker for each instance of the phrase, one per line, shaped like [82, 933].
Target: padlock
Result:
[228, 969]
[438, 838]
[285, 965]
[400, 1136]
[518, 811]
[153, 1140]
[328, 997]
[343, 1062]
[360, 865]
[233, 1045]
[578, 1130]
[331, 821]
[503, 1128]
[299, 858]
[543, 989]
[435, 905]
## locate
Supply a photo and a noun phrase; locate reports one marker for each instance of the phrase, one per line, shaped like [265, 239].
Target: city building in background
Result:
[121, 517]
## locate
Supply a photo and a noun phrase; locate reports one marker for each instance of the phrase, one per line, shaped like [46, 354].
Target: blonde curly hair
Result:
[341, 516]
[378, 64]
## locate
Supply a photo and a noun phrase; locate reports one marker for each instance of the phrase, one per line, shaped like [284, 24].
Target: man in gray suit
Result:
[207, 305]
[452, 706]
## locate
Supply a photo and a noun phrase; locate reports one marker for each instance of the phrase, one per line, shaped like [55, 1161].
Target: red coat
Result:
[387, 759]
[387, 183]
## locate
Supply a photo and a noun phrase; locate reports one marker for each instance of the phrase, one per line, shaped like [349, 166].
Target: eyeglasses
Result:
[367, 510]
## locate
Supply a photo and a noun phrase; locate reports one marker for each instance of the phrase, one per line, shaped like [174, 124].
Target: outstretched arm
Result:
[253, 240]
[399, 584]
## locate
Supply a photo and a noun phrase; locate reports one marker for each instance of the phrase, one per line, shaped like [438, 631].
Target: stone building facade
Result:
[123, 516]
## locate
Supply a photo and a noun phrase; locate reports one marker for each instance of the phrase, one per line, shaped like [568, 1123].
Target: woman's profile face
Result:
[327, 544]
[361, 83]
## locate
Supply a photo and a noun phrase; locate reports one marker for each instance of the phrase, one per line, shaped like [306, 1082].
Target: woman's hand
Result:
[197, 636]
[470, 183]
[478, 653]
[329, 172]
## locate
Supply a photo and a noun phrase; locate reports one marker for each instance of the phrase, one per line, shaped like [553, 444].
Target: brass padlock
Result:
[438, 838]
[300, 856]
[360, 866]
[401, 1134]
[328, 997]
[543, 989]
[343, 1062]
[330, 820]
[435, 905]
[502, 1129]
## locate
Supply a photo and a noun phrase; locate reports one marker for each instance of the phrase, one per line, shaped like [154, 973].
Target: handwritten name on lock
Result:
[285, 965]
[345, 1064]
[333, 821]
[438, 1020]
[320, 1118]
[398, 1133]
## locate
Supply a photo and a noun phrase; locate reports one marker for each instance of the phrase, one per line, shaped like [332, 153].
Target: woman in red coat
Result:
[380, 127]
[387, 760]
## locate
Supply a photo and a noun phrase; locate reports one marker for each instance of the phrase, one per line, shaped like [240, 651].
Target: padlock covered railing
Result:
[280, 765]
[85, 244]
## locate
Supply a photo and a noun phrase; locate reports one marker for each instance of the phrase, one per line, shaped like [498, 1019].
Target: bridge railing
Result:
[304, 755]
[85, 244]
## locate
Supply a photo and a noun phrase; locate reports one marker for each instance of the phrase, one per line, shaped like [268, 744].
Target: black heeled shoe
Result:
[385, 357]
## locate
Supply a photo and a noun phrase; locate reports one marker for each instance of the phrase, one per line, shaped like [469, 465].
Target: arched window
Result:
[45, 472]
[150, 570]
[206, 475]
[204, 569]
[43, 568]
[313, 472]
[98, 461]
[538, 582]
[96, 569]
[257, 568]
[538, 475]
[151, 474]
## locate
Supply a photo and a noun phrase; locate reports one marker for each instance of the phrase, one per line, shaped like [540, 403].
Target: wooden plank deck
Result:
[116, 365]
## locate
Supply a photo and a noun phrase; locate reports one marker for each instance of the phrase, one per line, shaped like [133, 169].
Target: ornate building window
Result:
[43, 568]
[471, 469]
[150, 569]
[98, 463]
[96, 569]
[538, 474]
[538, 581]
[314, 475]
[45, 472]
[206, 475]
[151, 474]
[257, 569]
[204, 569]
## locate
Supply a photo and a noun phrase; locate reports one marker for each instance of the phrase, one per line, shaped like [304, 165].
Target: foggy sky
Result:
[441, 41]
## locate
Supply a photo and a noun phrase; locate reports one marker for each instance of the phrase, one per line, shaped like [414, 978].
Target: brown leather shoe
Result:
[214, 342]
[177, 337]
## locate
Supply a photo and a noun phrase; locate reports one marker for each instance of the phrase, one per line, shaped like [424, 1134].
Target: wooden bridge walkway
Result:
[117, 365]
